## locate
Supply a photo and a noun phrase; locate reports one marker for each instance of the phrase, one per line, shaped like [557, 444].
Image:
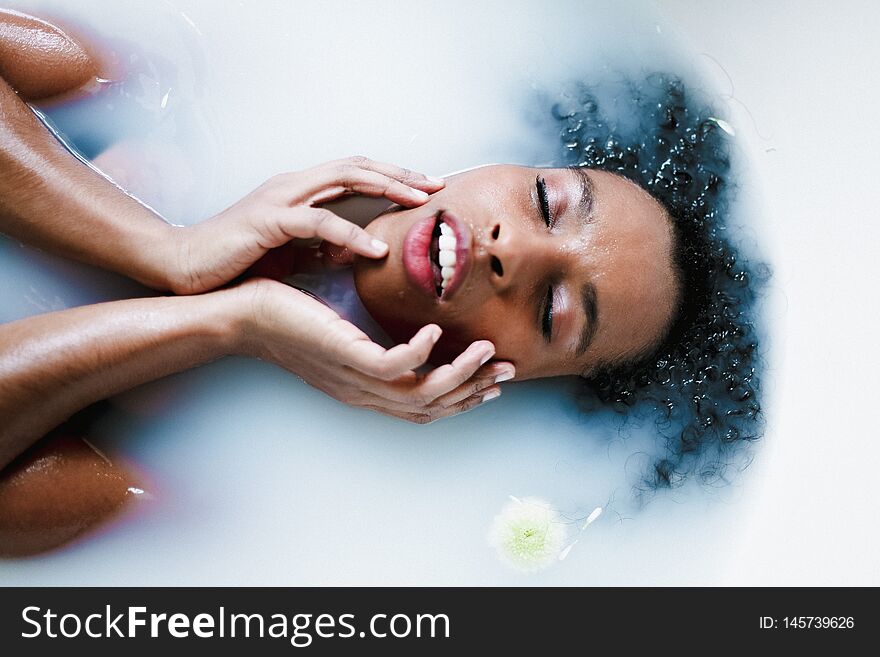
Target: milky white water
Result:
[258, 479]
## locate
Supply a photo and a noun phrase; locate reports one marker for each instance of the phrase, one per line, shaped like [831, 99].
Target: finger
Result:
[485, 381]
[430, 415]
[467, 404]
[417, 418]
[406, 176]
[305, 223]
[349, 179]
[458, 408]
[334, 179]
[486, 377]
[446, 378]
[388, 364]
[471, 402]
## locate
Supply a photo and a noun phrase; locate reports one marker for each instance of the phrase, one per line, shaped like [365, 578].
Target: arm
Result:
[51, 200]
[52, 365]
[47, 197]
[55, 364]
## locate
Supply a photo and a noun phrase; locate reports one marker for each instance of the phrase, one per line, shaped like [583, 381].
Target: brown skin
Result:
[38, 59]
[55, 492]
[623, 249]
[60, 488]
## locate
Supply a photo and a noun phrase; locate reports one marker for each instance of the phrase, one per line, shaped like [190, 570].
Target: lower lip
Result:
[415, 255]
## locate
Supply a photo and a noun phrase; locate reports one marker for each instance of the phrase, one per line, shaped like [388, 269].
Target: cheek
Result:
[375, 280]
[384, 227]
[493, 322]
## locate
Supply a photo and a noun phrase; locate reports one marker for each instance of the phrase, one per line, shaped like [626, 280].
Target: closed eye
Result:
[544, 201]
[547, 315]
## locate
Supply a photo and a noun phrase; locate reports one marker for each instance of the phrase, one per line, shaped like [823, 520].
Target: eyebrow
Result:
[588, 297]
[585, 203]
[588, 293]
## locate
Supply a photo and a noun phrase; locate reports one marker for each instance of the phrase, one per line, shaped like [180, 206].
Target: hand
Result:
[214, 252]
[293, 330]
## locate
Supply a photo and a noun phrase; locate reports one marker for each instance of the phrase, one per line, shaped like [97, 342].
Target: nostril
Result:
[496, 231]
[496, 266]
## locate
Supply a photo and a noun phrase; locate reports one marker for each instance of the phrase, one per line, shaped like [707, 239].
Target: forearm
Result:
[55, 364]
[50, 199]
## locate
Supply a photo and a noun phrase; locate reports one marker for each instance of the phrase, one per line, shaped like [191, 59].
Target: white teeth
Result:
[447, 242]
[446, 255]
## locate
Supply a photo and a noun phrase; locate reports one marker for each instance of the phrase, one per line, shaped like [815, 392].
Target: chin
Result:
[381, 298]
[398, 313]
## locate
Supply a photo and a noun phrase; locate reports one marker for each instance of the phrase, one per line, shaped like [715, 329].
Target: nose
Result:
[513, 255]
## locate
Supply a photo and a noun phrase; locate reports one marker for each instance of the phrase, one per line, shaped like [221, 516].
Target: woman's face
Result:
[562, 269]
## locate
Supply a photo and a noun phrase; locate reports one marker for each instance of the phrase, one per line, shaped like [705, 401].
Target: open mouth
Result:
[442, 255]
[436, 254]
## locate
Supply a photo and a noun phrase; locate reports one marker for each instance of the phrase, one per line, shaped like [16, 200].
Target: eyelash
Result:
[544, 201]
[547, 306]
[547, 315]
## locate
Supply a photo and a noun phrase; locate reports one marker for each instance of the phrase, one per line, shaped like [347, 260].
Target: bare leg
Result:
[55, 492]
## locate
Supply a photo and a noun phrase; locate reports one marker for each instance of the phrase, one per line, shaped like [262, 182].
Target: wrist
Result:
[220, 321]
[258, 312]
[189, 258]
[153, 255]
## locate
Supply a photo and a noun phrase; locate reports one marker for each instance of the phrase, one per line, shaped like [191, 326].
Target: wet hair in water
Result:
[701, 385]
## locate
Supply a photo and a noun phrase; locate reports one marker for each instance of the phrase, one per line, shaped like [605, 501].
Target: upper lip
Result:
[463, 261]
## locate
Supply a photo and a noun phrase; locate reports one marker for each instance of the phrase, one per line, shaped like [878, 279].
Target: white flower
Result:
[529, 534]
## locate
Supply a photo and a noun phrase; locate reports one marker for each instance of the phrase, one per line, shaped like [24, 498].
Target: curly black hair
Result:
[701, 384]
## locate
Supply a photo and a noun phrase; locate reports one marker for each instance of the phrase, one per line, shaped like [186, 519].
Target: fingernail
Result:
[507, 375]
[486, 356]
[419, 194]
[437, 332]
[379, 246]
[435, 181]
[489, 396]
